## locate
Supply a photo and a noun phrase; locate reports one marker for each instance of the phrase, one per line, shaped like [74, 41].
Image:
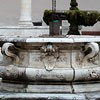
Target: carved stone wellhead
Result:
[47, 59]
[35, 65]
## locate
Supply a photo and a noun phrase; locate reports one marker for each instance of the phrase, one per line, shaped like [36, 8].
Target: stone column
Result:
[25, 15]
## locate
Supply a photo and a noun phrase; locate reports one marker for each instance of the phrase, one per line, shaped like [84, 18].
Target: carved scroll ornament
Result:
[90, 51]
[9, 50]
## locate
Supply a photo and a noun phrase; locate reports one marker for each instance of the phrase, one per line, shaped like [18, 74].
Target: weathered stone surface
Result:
[16, 31]
[86, 87]
[10, 87]
[38, 59]
[87, 74]
[80, 60]
[32, 68]
[93, 96]
[76, 58]
[24, 59]
[49, 88]
[49, 96]
[12, 72]
[63, 60]
[55, 75]
[32, 96]
[35, 59]
[49, 73]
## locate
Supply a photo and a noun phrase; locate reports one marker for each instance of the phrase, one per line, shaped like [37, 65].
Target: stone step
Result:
[44, 96]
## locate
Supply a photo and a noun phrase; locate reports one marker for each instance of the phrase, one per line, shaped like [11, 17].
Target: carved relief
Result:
[9, 50]
[49, 56]
[90, 53]
[49, 62]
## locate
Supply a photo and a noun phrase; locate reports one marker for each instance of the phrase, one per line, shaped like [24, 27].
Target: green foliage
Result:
[75, 17]
[47, 15]
[74, 5]
[99, 17]
[86, 18]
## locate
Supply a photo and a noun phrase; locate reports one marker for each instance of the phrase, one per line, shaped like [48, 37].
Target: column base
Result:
[25, 24]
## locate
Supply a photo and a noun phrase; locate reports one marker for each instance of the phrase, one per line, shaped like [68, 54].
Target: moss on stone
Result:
[75, 17]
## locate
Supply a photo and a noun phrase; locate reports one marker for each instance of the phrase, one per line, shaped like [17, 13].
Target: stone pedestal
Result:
[25, 16]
